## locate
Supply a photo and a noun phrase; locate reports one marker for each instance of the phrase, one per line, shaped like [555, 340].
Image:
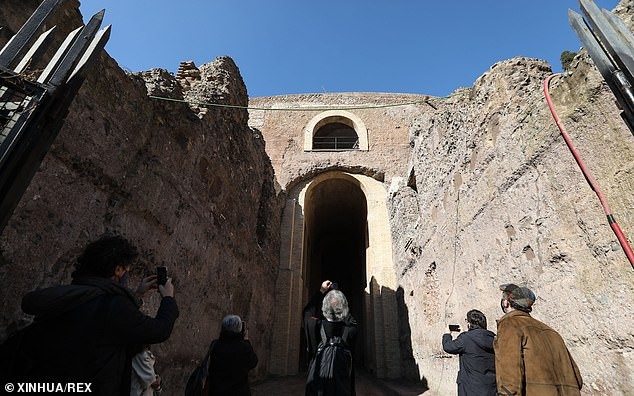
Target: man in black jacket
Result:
[477, 361]
[86, 332]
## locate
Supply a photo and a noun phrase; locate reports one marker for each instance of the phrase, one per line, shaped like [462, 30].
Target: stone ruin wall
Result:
[194, 192]
[491, 194]
[386, 117]
[497, 197]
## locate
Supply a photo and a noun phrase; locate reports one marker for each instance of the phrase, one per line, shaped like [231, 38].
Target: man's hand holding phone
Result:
[165, 286]
[167, 290]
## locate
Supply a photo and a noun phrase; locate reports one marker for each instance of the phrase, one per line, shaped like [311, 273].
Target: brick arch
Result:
[332, 116]
[381, 348]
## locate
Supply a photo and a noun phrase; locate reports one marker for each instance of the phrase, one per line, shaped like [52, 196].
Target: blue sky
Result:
[288, 47]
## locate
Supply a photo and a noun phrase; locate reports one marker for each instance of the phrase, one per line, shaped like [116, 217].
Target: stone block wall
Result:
[387, 128]
[193, 191]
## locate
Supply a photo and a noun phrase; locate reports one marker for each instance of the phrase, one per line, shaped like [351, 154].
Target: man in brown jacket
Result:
[530, 357]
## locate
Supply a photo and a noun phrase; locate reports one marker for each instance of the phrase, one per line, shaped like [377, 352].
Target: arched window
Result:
[335, 136]
[335, 130]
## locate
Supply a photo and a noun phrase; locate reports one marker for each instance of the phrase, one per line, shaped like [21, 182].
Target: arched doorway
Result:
[336, 226]
[335, 235]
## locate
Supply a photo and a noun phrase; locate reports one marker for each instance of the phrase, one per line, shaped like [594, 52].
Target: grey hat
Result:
[523, 297]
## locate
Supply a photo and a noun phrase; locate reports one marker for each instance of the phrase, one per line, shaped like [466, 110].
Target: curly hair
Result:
[477, 319]
[101, 257]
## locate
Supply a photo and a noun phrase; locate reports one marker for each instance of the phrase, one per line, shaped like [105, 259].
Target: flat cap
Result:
[522, 296]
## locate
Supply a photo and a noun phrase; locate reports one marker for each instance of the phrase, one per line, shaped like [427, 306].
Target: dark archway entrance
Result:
[336, 226]
[335, 241]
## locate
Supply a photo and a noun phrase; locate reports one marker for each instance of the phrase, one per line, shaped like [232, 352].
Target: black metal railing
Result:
[33, 108]
[611, 46]
[335, 143]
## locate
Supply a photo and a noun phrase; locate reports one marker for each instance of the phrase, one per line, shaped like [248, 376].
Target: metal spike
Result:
[606, 66]
[620, 28]
[599, 57]
[19, 43]
[77, 49]
[602, 29]
[44, 105]
[97, 44]
[36, 49]
[59, 54]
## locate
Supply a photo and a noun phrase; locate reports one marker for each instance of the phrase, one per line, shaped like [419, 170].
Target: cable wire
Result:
[425, 100]
[589, 178]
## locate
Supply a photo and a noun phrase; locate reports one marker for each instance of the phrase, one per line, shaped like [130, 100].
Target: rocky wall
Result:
[496, 197]
[193, 191]
[489, 193]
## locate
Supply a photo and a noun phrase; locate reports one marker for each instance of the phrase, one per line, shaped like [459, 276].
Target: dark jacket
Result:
[313, 322]
[532, 359]
[230, 361]
[88, 331]
[477, 361]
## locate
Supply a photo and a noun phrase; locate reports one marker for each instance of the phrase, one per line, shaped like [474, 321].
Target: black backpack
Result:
[330, 370]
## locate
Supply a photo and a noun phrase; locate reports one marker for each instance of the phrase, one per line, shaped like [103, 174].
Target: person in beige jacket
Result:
[145, 381]
[530, 357]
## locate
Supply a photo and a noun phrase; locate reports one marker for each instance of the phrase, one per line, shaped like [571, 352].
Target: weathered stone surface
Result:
[215, 85]
[195, 194]
[161, 83]
[483, 191]
[500, 199]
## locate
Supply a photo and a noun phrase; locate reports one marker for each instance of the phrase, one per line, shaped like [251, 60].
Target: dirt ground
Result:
[365, 384]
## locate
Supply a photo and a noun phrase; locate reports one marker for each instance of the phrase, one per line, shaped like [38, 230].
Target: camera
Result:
[334, 286]
[161, 275]
[454, 327]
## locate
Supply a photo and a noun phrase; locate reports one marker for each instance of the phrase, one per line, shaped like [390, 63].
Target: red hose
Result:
[586, 173]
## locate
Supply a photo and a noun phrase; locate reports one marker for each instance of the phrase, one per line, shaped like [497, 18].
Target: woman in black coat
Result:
[477, 361]
[231, 358]
[328, 311]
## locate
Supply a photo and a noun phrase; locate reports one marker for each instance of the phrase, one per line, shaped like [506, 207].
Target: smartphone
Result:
[454, 327]
[161, 275]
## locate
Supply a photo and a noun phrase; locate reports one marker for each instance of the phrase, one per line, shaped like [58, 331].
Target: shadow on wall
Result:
[411, 382]
[409, 366]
